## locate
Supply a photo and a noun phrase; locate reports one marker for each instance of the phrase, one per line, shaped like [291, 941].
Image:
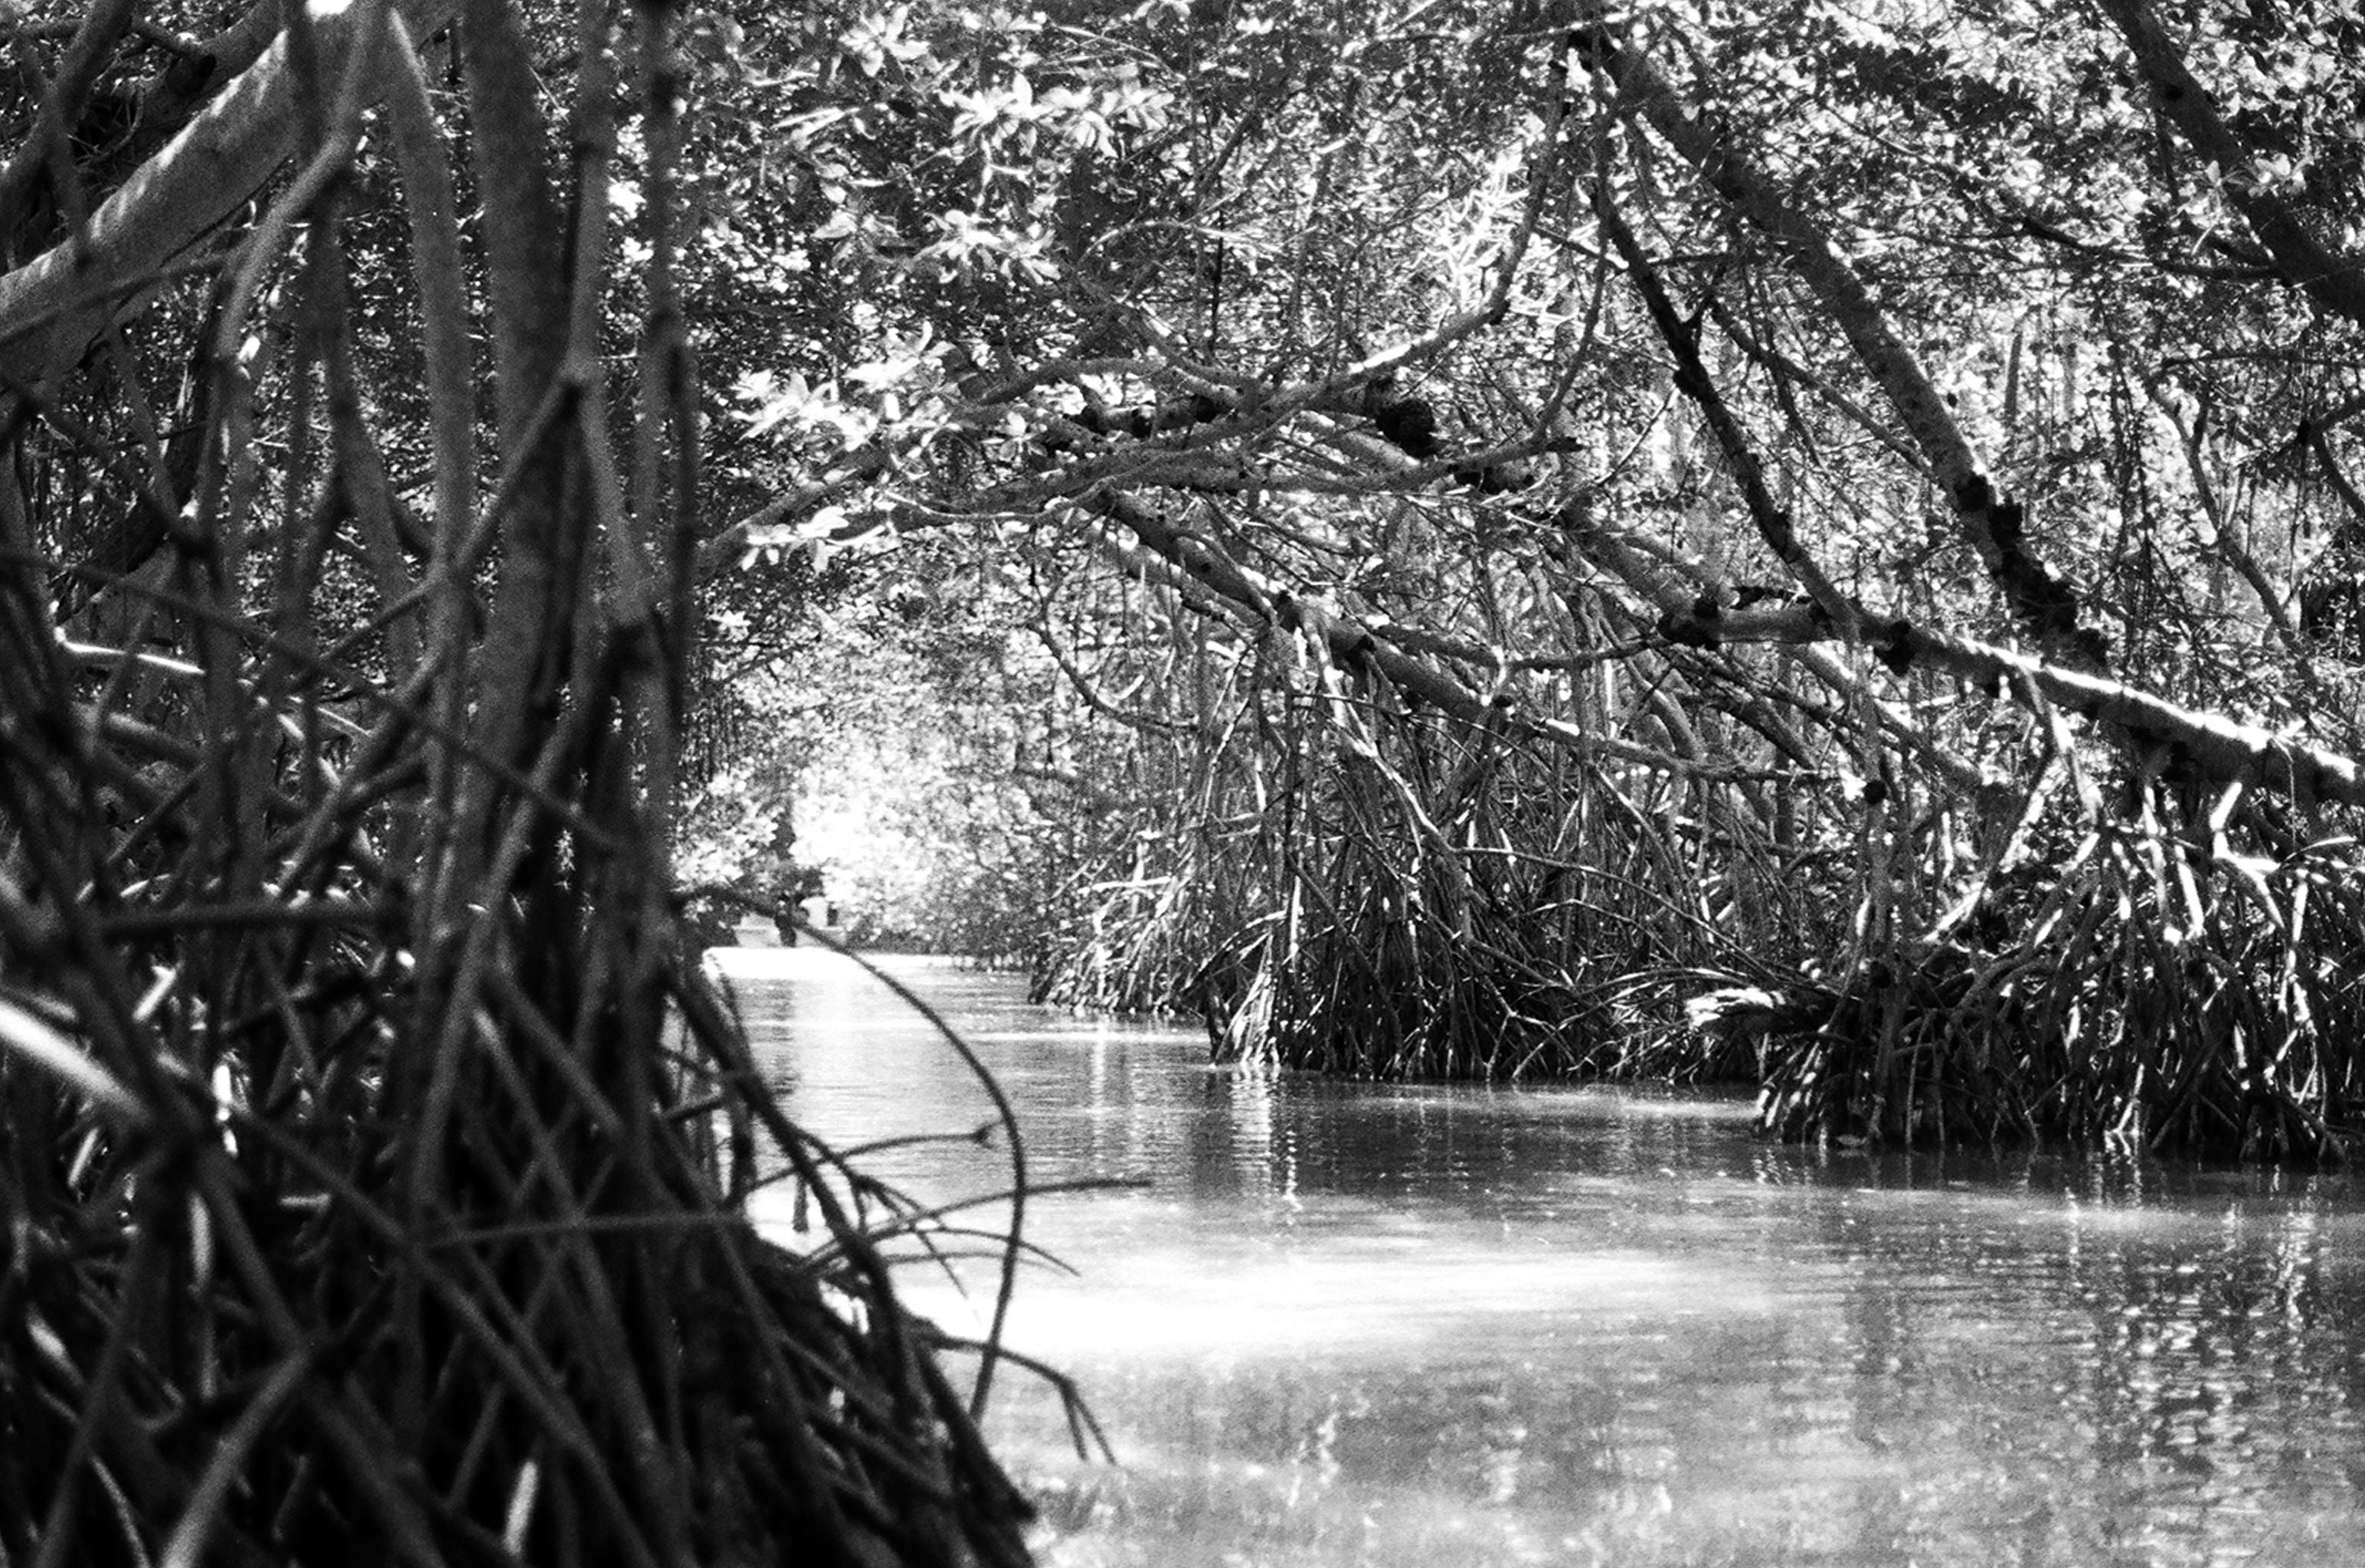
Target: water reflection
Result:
[1355, 1324]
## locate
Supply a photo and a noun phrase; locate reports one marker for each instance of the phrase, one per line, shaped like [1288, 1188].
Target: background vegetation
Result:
[1808, 541]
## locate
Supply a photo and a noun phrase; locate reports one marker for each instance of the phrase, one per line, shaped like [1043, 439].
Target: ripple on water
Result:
[1344, 1324]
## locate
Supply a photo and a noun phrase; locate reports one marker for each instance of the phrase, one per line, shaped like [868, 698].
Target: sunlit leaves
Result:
[790, 403]
[880, 38]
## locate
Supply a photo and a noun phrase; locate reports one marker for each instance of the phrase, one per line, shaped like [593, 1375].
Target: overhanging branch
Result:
[1993, 523]
[54, 307]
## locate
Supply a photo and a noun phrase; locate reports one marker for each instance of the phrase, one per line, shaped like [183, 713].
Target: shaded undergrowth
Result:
[2155, 991]
[1889, 955]
[356, 1186]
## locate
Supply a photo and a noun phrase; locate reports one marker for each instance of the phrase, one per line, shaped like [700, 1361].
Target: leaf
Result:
[881, 373]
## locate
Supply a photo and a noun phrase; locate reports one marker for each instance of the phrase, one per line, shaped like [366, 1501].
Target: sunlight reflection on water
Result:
[1361, 1324]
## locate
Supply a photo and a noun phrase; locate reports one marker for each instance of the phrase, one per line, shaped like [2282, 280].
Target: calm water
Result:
[1361, 1324]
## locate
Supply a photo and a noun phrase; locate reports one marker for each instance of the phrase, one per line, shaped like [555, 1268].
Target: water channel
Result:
[1358, 1324]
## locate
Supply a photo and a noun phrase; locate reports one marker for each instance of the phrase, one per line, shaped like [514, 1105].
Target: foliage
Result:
[373, 1149]
[1867, 454]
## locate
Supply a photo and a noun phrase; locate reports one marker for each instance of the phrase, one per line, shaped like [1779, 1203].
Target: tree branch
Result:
[1996, 526]
[2331, 280]
[53, 307]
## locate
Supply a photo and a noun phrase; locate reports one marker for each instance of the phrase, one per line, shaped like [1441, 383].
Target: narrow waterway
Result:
[1361, 1324]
